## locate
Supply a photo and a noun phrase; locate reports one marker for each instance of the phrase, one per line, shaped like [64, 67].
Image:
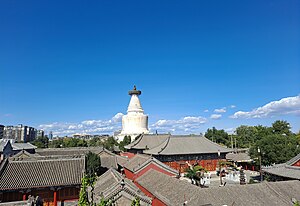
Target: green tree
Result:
[57, 143]
[70, 142]
[82, 143]
[110, 143]
[95, 142]
[93, 165]
[41, 142]
[281, 127]
[126, 141]
[104, 202]
[247, 136]
[83, 197]
[218, 136]
[136, 202]
[275, 148]
[195, 173]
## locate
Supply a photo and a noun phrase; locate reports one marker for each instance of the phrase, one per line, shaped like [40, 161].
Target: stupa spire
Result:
[135, 122]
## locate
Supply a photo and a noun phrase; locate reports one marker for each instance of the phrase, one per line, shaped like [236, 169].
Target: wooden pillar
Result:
[246, 167]
[24, 197]
[253, 168]
[55, 198]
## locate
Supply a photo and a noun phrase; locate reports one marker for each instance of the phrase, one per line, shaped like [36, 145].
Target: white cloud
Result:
[85, 127]
[187, 124]
[232, 106]
[230, 130]
[222, 110]
[118, 117]
[206, 110]
[288, 105]
[215, 116]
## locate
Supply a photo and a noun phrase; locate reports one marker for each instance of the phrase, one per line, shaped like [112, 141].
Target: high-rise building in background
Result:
[19, 133]
[40, 133]
[1, 131]
[50, 136]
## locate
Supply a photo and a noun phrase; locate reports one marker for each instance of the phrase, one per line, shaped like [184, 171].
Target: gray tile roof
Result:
[174, 192]
[16, 174]
[147, 141]
[293, 160]
[23, 154]
[158, 163]
[135, 162]
[285, 169]
[174, 145]
[23, 146]
[113, 185]
[68, 151]
[2, 145]
[111, 160]
[239, 157]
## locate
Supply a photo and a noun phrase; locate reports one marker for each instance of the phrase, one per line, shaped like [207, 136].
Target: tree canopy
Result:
[277, 143]
[93, 165]
[41, 142]
[126, 141]
[218, 136]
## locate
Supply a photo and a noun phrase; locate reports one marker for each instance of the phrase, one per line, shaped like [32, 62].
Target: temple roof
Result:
[113, 185]
[174, 145]
[40, 173]
[16, 146]
[68, 151]
[286, 169]
[4, 144]
[175, 192]
[23, 146]
[149, 141]
[111, 160]
[158, 163]
[239, 157]
[134, 163]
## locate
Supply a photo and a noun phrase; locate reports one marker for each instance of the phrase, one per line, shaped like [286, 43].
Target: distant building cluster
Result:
[90, 136]
[20, 133]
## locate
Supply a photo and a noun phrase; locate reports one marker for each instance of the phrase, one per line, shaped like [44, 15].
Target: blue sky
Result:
[64, 63]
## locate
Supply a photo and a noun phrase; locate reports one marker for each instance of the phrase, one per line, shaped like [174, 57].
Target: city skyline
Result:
[197, 65]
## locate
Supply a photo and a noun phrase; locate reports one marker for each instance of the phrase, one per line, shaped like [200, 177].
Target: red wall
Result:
[181, 166]
[128, 173]
[297, 164]
[64, 194]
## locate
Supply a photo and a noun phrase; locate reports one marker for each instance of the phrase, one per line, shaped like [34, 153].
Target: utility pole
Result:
[260, 171]
[231, 140]
[220, 173]
[235, 145]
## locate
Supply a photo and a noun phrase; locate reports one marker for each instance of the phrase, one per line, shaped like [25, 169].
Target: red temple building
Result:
[54, 179]
[180, 151]
[140, 163]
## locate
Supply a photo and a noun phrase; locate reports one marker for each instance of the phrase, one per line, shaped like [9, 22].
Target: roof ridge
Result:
[136, 141]
[206, 139]
[277, 193]
[154, 160]
[18, 159]
[293, 160]
[3, 165]
[164, 143]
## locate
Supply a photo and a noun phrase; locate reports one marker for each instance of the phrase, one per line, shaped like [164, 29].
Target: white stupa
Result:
[135, 122]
